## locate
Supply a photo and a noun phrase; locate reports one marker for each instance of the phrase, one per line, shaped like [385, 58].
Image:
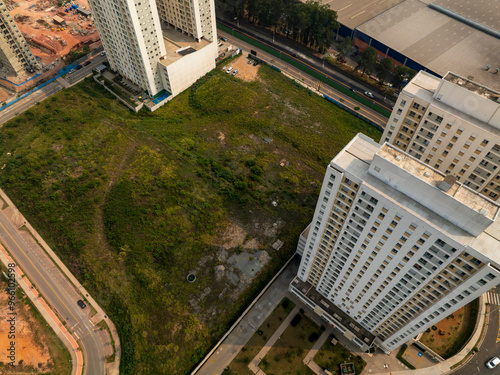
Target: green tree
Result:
[402, 74]
[345, 46]
[367, 60]
[383, 68]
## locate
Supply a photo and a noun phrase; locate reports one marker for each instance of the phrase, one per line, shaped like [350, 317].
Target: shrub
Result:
[313, 337]
[296, 319]
[285, 303]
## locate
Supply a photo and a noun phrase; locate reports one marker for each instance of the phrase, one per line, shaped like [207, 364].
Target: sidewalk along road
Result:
[22, 105]
[58, 292]
[49, 316]
[310, 64]
[251, 321]
[490, 346]
[308, 80]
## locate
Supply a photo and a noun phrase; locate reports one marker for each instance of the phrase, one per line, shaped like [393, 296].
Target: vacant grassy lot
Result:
[287, 355]
[332, 356]
[134, 202]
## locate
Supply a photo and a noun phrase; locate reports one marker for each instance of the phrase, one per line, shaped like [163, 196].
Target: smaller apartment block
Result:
[395, 246]
[163, 46]
[452, 124]
[15, 54]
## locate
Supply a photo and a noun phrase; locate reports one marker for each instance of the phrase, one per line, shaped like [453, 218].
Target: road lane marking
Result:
[498, 334]
[50, 286]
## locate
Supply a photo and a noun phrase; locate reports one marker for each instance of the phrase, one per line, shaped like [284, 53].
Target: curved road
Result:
[58, 292]
[490, 347]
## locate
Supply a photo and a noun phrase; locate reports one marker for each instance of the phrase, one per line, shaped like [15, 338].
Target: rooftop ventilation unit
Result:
[483, 212]
[447, 183]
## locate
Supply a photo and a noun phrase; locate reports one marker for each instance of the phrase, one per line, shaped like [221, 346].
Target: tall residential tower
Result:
[452, 124]
[162, 45]
[15, 54]
[395, 246]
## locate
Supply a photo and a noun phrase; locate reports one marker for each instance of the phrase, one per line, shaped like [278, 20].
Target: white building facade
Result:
[395, 246]
[452, 124]
[146, 40]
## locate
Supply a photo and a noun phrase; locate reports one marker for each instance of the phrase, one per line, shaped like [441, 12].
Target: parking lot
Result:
[246, 71]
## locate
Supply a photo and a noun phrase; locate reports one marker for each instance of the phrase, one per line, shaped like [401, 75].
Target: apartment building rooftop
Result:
[447, 184]
[455, 216]
[425, 85]
[178, 44]
[472, 86]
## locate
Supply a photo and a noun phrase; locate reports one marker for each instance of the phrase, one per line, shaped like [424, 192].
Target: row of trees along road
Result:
[383, 67]
[309, 23]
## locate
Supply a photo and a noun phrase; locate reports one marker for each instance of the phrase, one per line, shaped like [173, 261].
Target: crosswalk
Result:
[492, 298]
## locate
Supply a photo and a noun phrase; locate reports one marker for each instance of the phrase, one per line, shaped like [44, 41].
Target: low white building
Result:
[162, 46]
[395, 246]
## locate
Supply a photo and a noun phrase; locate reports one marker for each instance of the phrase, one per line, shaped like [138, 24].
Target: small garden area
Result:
[448, 337]
[239, 365]
[286, 356]
[331, 356]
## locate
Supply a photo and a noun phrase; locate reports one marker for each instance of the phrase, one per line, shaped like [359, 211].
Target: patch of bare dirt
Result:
[30, 348]
[246, 72]
[48, 40]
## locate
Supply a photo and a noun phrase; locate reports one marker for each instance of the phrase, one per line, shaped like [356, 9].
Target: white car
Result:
[369, 94]
[229, 70]
[492, 363]
[235, 72]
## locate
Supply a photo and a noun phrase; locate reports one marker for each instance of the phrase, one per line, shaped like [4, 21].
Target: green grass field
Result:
[134, 202]
[287, 354]
[239, 365]
[332, 356]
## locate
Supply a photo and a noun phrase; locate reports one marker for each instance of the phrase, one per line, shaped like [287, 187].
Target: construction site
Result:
[55, 31]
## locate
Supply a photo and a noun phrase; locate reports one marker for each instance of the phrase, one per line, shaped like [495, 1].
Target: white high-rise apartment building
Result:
[452, 124]
[394, 246]
[15, 54]
[159, 45]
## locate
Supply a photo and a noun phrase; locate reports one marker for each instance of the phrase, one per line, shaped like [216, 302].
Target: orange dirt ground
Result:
[37, 23]
[450, 326]
[246, 72]
[30, 347]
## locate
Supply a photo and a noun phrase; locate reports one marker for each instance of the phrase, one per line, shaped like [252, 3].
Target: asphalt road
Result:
[312, 62]
[38, 96]
[85, 70]
[489, 348]
[58, 292]
[12, 111]
[299, 75]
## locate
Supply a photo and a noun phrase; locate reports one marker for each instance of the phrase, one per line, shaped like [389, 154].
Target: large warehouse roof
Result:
[353, 13]
[442, 43]
[486, 12]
